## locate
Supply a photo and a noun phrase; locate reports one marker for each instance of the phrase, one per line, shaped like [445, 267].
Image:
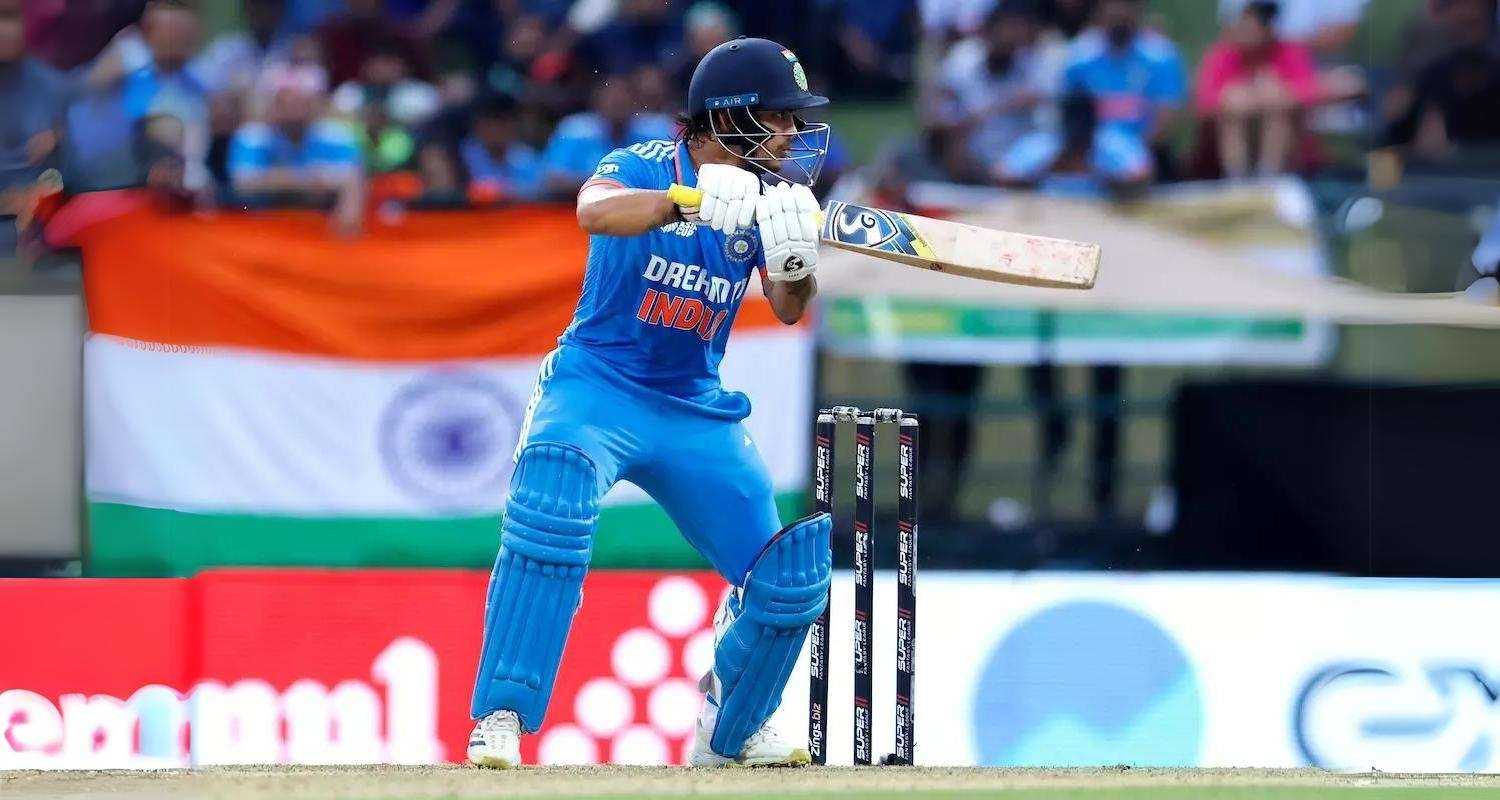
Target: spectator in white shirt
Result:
[233, 62]
[992, 86]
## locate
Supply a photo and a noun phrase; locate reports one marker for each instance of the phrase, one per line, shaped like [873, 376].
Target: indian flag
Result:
[259, 392]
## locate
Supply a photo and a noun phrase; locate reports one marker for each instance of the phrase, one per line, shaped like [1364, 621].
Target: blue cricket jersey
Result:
[658, 307]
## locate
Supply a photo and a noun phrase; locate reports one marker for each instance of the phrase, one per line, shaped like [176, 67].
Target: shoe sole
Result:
[797, 759]
[492, 762]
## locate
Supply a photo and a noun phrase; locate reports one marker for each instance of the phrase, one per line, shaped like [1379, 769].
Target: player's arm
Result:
[614, 210]
[787, 216]
[725, 195]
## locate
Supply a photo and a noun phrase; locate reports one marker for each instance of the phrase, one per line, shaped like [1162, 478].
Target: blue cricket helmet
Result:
[745, 75]
[750, 72]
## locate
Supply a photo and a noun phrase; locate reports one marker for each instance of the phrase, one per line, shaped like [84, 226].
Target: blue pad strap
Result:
[537, 585]
[786, 590]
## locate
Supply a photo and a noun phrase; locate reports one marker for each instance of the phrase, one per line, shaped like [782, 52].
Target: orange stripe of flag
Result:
[431, 286]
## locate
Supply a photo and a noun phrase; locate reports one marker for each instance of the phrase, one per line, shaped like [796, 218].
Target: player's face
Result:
[782, 125]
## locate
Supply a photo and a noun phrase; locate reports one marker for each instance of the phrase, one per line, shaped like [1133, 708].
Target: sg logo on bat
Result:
[861, 226]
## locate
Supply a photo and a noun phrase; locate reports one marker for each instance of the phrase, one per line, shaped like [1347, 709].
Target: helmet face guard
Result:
[747, 137]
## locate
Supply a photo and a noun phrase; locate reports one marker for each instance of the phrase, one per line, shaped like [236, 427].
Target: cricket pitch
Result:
[888, 783]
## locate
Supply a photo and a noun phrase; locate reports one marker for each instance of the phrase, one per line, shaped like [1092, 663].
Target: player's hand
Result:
[729, 195]
[788, 218]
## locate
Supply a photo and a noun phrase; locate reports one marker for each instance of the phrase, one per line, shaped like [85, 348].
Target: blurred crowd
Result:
[332, 101]
[342, 102]
[1093, 96]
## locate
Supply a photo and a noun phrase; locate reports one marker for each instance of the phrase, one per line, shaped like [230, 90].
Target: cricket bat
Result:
[952, 247]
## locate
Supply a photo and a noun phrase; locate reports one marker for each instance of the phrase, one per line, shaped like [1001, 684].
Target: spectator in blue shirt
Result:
[172, 33]
[33, 96]
[582, 139]
[500, 166]
[1135, 75]
[141, 75]
[294, 155]
[1136, 80]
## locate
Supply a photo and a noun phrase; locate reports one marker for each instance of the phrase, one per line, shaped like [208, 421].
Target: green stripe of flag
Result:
[133, 541]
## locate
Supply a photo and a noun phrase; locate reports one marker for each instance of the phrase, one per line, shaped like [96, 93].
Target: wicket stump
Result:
[824, 449]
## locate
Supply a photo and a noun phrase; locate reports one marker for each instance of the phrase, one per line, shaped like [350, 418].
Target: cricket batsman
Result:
[632, 392]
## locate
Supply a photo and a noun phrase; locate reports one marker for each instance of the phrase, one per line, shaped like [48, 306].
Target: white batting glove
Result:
[729, 195]
[788, 218]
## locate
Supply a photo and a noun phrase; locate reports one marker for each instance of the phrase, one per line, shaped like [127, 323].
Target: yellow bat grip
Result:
[688, 197]
[685, 196]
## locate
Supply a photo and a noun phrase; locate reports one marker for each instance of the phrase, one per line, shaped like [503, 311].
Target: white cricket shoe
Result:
[496, 741]
[764, 748]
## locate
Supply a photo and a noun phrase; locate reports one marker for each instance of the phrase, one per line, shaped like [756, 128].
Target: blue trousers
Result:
[692, 456]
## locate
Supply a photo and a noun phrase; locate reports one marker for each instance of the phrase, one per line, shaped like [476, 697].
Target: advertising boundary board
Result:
[317, 666]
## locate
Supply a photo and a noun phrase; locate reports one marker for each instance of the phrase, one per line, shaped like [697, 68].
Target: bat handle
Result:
[685, 196]
[688, 197]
